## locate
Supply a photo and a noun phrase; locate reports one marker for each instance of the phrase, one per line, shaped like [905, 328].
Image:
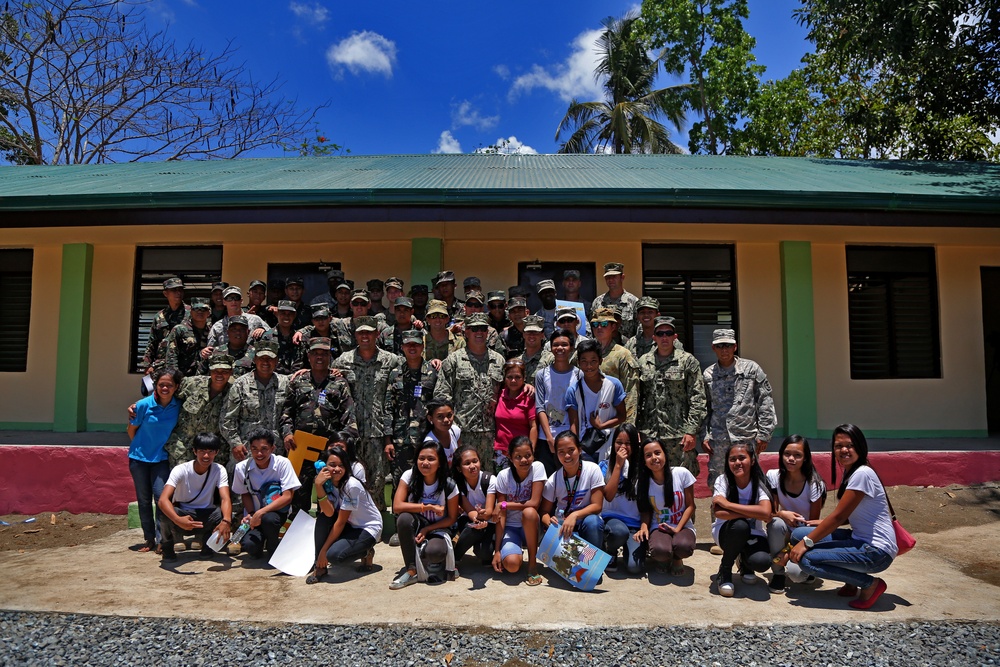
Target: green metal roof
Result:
[690, 181]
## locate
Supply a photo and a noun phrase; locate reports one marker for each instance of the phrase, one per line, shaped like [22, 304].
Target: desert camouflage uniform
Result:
[672, 403]
[618, 362]
[289, 354]
[182, 347]
[369, 381]
[200, 413]
[251, 405]
[219, 335]
[242, 360]
[535, 363]
[626, 304]
[164, 321]
[436, 350]
[473, 386]
[740, 409]
[406, 412]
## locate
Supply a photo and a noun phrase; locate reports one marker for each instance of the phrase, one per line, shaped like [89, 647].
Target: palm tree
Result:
[626, 121]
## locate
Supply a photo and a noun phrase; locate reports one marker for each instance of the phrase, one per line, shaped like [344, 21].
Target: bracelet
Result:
[226, 521]
[319, 500]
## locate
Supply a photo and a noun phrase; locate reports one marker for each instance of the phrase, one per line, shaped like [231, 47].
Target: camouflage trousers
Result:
[483, 442]
[678, 457]
[371, 453]
[402, 463]
[717, 461]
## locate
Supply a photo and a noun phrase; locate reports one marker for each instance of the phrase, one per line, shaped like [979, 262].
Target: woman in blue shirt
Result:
[155, 418]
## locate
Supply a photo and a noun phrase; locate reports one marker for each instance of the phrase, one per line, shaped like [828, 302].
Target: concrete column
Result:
[73, 349]
[427, 258]
[798, 327]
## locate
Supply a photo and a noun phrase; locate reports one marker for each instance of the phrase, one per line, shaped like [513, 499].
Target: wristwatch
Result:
[809, 543]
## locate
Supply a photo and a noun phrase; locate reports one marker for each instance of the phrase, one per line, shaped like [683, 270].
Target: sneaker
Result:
[613, 565]
[394, 540]
[716, 550]
[233, 549]
[749, 578]
[810, 580]
[726, 587]
[777, 584]
[402, 581]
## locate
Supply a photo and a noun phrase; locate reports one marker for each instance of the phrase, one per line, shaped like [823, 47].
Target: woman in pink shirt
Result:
[515, 413]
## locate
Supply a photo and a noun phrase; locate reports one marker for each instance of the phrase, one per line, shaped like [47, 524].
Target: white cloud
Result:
[502, 71]
[447, 144]
[464, 114]
[509, 146]
[363, 52]
[571, 79]
[314, 13]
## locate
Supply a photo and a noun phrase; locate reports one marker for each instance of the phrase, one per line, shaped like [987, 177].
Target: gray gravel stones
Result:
[79, 640]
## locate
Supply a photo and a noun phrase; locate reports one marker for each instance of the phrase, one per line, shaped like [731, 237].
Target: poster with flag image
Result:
[575, 559]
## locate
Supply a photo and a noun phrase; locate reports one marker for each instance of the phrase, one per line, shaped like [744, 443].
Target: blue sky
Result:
[436, 76]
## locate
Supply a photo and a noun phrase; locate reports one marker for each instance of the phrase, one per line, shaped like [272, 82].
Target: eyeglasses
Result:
[663, 334]
[601, 325]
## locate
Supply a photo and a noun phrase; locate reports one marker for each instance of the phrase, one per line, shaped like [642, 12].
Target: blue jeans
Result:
[149, 480]
[840, 557]
[591, 528]
[616, 535]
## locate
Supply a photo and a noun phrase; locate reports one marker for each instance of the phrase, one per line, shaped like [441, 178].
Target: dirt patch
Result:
[69, 530]
[929, 509]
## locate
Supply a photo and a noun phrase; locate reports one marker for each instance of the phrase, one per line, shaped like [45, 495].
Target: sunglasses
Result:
[497, 306]
[477, 327]
[663, 334]
[600, 325]
[723, 346]
[233, 297]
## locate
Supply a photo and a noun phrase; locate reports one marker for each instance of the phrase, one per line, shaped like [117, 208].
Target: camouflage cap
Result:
[471, 281]
[375, 285]
[201, 303]
[571, 273]
[257, 283]
[435, 307]
[335, 275]
[404, 301]
[265, 348]
[360, 295]
[320, 311]
[517, 302]
[724, 336]
[497, 295]
[295, 280]
[522, 291]
[220, 361]
[613, 269]
[285, 304]
[219, 286]
[413, 336]
[419, 289]
[476, 320]
[475, 295]
[534, 323]
[319, 343]
[603, 315]
[663, 321]
[616, 311]
[239, 319]
[365, 323]
[562, 313]
[544, 285]
[231, 290]
[445, 277]
[393, 282]
[647, 302]
[173, 283]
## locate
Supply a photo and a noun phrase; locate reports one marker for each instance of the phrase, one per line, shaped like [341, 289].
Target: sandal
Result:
[534, 579]
[366, 562]
[316, 576]
[146, 547]
[676, 569]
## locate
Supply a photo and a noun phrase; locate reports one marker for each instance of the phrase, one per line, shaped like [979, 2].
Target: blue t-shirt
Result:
[155, 424]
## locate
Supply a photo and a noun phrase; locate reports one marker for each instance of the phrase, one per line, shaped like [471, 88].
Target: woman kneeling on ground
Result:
[621, 513]
[665, 497]
[476, 496]
[742, 505]
[358, 523]
[869, 546]
[573, 496]
[426, 503]
[518, 495]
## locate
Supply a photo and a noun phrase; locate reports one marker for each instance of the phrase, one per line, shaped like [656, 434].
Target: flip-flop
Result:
[880, 587]
[534, 579]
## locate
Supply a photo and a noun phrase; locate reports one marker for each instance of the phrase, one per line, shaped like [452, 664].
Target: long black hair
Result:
[645, 476]
[860, 444]
[758, 480]
[808, 469]
[456, 467]
[432, 406]
[345, 459]
[347, 439]
[417, 477]
[519, 441]
[626, 483]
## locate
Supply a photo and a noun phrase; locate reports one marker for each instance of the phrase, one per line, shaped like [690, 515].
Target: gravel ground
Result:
[76, 639]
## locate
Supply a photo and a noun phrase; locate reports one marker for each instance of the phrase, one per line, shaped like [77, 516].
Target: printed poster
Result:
[581, 315]
[575, 559]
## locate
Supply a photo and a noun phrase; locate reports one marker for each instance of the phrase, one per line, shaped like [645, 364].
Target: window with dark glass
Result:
[15, 309]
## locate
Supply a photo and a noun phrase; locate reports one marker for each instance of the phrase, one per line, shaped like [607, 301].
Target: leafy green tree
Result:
[706, 39]
[626, 121]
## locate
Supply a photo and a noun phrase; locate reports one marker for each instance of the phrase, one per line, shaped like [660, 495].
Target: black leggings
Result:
[737, 540]
[435, 551]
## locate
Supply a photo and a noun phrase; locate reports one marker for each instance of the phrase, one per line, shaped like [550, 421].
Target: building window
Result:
[893, 313]
[197, 266]
[15, 309]
[696, 285]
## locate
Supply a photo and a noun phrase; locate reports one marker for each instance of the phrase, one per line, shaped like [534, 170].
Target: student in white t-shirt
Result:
[426, 505]
[476, 497]
[595, 400]
[551, 384]
[324, 523]
[621, 513]
[358, 523]
[742, 504]
[665, 496]
[869, 546]
[798, 492]
[443, 429]
[576, 492]
[187, 503]
[518, 496]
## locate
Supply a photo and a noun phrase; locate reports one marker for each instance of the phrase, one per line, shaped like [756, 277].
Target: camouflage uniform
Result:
[390, 338]
[251, 405]
[473, 387]
[163, 323]
[513, 340]
[406, 414]
[639, 346]
[672, 403]
[200, 413]
[289, 354]
[219, 335]
[182, 347]
[618, 362]
[626, 306]
[740, 409]
[436, 350]
[308, 333]
[242, 360]
[369, 381]
[535, 363]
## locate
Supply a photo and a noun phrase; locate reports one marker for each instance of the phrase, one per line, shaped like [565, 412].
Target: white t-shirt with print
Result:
[558, 488]
[800, 504]
[682, 479]
[620, 507]
[193, 491]
[743, 497]
[518, 493]
[475, 494]
[604, 401]
[354, 498]
[278, 469]
[550, 397]
[449, 447]
[431, 495]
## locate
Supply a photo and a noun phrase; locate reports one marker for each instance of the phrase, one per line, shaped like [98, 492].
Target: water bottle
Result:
[240, 532]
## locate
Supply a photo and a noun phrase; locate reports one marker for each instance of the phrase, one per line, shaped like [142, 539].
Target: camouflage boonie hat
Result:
[724, 336]
[435, 307]
[613, 269]
[534, 323]
[413, 336]
[319, 343]
[284, 304]
[219, 286]
[393, 281]
[544, 285]
[231, 290]
[266, 348]
[571, 273]
[517, 302]
[663, 321]
[404, 301]
[366, 323]
[497, 295]
[419, 289]
[295, 280]
[239, 319]
[375, 285]
[603, 315]
[616, 311]
[173, 283]
[200, 303]
[471, 281]
[320, 311]
[335, 275]
[566, 312]
[445, 277]
[257, 283]
[477, 320]
[647, 302]
[360, 294]
[223, 361]
[475, 295]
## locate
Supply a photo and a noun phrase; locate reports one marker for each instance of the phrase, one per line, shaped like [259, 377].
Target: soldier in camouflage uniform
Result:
[474, 303]
[419, 294]
[513, 335]
[289, 354]
[367, 369]
[391, 337]
[444, 287]
[496, 308]
[740, 407]
[257, 303]
[471, 379]
[294, 289]
[165, 320]
[671, 397]
[345, 326]
[616, 361]
[201, 399]
[321, 327]
[237, 348]
[535, 357]
[571, 284]
[547, 295]
[319, 404]
[255, 401]
[376, 290]
[183, 345]
[215, 297]
[233, 298]
[439, 340]
[614, 276]
[647, 309]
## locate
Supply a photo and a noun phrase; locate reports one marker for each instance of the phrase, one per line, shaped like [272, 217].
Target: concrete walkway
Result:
[106, 578]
